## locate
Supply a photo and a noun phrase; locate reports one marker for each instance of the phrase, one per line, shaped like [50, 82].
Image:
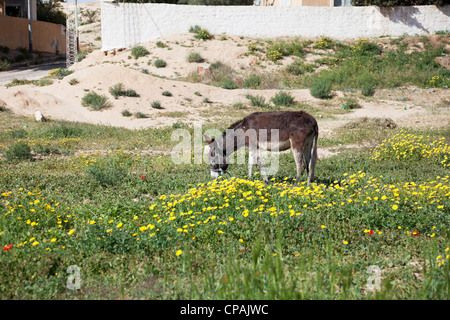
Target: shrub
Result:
[139, 51]
[252, 82]
[296, 68]
[18, 151]
[95, 101]
[73, 81]
[282, 99]
[323, 43]
[126, 113]
[367, 90]
[351, 104]
[321, 88]
[166, 93]
[203, 34]
[195, 57]
[229, 84]
[160, 44]
[4, 65]
[258, 101]
[60, 73]
[118, 91]
[140, 115]
[156, 105]
[145, 71]
[160, 63]
[273, 54]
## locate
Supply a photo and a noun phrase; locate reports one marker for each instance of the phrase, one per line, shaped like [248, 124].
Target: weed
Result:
[95, 101]
[18, 151]
[139, 51]
[166, 93]
[156, 105]
[321, 89]
[194, 57]
[282, 99]
[126, 113]
[160, 63]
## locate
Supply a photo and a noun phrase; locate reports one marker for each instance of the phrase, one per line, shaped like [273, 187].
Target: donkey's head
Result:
[216, 156]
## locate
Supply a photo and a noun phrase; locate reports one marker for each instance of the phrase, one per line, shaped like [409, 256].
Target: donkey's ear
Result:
[208, 139]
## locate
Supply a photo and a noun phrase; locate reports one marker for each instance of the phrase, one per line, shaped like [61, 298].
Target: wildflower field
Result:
[139, 227]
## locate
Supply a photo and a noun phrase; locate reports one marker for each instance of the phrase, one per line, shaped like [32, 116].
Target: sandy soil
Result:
[101, 70]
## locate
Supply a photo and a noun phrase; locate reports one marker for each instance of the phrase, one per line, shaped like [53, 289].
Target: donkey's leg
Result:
[262, 169]
[312, 163]
[251, 162]
[298, 157]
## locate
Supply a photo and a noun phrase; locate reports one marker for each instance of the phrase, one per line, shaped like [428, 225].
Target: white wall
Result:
[127, 24]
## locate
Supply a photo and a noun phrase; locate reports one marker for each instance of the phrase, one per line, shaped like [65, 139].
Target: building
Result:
[18, 8]
[299, 3]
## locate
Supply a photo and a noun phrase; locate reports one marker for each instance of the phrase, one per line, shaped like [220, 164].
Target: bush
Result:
[252, 82]
[160, 44]
[166, 94]
[296, 68]
[139, 51]
[73, 82]
[60, 72]
[160, 63]
[194, 57]
[4, 65]
[367, 90]
[126, 113]
[50, 11]
[156, 105]
[351, 104]
[229, 84]
[321, 89]
[202, 34]
[140, 115]
[118, 91]
[257, 101]
[95, 101]
[18, 151]
[282, 99]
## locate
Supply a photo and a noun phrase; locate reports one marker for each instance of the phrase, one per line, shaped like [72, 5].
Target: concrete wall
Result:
[127, 24]
[297, 3]
[14, 34]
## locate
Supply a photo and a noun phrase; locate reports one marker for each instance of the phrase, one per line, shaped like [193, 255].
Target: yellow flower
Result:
[35, 243]
[53, 240]
[345, 242]
[395, 207]
[71, 232]
[119, 225]
[241, 240]
[178, 252]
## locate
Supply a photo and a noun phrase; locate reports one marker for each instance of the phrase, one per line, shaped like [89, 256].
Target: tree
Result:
[51, 11]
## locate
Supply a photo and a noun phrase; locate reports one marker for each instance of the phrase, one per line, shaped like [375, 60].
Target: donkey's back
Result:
[296, 129]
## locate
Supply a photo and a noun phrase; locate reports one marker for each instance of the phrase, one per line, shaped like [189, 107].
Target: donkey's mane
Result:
[234, 125]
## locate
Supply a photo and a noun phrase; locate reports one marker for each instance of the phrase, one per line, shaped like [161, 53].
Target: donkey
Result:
[267, 131]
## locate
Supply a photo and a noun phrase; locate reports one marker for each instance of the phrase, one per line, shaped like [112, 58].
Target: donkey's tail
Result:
[313, 159]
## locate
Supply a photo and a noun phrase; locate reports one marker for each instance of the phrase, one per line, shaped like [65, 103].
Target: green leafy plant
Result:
[126, 113]
[282, 99]
[156, 105]
[367, 90]
[321, 88]
[95, 101]
[139, 51]
[257, 101]
[194, 57]
[118, 90]
[160, 63]
[18, 151]
[229, 84]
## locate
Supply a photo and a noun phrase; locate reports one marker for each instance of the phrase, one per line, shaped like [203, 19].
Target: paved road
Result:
[29, 73]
